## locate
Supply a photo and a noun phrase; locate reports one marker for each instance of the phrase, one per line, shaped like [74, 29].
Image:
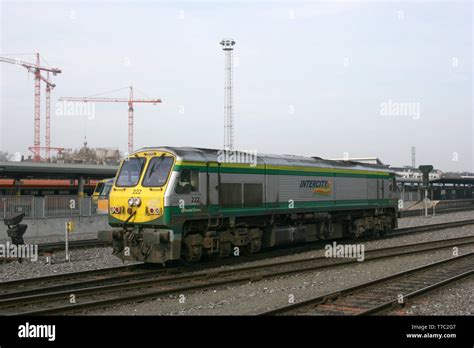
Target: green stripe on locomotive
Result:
[308, 172]
[202, 211]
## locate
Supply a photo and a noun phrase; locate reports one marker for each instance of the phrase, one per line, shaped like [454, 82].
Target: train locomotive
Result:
[184, 203]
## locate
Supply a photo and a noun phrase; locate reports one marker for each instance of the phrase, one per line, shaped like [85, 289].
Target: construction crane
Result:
[130, 101]
[36, 70]
[49, 87]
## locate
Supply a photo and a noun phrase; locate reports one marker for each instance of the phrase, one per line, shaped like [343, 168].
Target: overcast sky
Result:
[313, 78]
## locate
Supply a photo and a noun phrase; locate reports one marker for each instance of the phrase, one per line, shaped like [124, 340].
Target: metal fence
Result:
[62, 206]
[47, 206]
[12, 205]
[408, 196]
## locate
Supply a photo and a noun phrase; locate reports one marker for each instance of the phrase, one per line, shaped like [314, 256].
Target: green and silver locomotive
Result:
[171, 203]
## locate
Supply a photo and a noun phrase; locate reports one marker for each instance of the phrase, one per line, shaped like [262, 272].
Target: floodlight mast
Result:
[228, 48]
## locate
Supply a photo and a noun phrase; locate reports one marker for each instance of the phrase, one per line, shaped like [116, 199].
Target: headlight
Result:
[136, 202]
[153, 211]
[116, 210]
[131, 201]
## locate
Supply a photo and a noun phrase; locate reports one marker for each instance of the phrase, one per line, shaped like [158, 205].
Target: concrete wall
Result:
[54, 228]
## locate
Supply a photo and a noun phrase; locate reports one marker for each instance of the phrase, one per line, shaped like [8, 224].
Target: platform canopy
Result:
[30, 170]
[453, 180]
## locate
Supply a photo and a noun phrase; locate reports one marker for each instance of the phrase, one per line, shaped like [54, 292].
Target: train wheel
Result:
[225, 249]
[378, 231]
[190, 255]
[191, 250]
[253, 247]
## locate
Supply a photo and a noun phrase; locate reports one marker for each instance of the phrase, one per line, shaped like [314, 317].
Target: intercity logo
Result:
[320, 187]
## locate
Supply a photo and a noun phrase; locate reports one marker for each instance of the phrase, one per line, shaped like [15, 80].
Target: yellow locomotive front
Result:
[137, 208]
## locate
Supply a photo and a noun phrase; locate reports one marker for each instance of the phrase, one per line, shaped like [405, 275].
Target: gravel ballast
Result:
[259, 296]
[254, 298]
[81, 260]
[456, 298]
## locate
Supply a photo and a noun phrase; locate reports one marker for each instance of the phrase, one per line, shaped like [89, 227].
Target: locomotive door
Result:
[380, 189]
[212, 186]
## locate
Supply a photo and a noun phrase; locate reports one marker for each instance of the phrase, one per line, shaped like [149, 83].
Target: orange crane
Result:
[130, 102]
[36, 70]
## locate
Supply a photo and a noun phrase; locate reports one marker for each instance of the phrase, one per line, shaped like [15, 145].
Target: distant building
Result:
[410, 173]
[366, 160]
[87, 155]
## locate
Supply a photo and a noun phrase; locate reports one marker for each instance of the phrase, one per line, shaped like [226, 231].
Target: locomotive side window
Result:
[157, 172]
[130, 172]
[393, 185]
[188, 181]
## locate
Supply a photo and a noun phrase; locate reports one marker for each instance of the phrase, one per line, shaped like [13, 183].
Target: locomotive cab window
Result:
[188, 181]
[98, 188]
[157, 172]
[130, 172]
[106, 190]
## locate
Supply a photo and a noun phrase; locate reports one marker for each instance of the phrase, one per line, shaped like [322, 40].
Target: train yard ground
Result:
[260, 294]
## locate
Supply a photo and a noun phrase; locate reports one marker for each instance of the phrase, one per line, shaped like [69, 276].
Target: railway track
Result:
[24, 287]
[421, 212]
[384, 293]
[87, 243]
[137, 286]
[51, 247]
[77, 280]
[426, 228]
[73, 244]
[61, 281]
